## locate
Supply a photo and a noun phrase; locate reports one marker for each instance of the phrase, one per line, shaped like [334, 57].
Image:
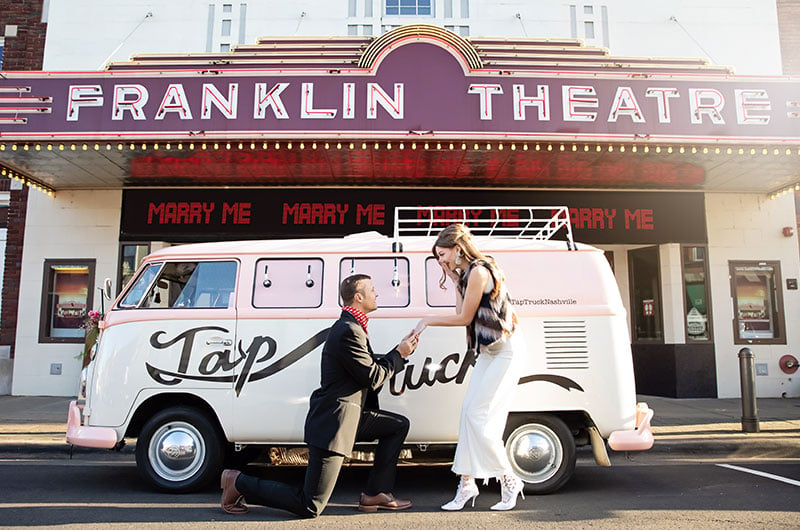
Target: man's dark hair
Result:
[349, 287]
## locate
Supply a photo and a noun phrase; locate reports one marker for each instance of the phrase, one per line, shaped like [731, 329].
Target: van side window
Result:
[189, 284]
[288, 283]
[435, 295]
[389, 276]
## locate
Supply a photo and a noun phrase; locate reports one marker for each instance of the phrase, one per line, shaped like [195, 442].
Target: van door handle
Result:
[219, 341]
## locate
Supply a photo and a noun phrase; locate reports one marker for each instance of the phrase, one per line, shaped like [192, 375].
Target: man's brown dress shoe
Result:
[232, 501]
[382, 501]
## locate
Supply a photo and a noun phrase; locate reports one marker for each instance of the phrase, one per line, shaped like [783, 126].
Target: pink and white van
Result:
[216, 346]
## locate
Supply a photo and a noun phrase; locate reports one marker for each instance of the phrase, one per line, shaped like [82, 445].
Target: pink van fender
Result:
[77, 434]
[638, 439]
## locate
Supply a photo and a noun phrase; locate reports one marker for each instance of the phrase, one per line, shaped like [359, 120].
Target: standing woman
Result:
[484, 307]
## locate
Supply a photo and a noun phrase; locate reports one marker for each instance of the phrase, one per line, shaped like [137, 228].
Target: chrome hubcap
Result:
[535, 452]
[176, 451]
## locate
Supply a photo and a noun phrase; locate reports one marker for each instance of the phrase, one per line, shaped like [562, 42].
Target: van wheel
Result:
[179, 450]
[541, 450]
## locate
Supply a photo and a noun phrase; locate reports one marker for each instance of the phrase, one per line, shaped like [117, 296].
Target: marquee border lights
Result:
[27, 181]
[792, 188]
[432, 143]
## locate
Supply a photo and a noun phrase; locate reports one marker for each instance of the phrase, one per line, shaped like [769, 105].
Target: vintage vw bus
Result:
[217, 345]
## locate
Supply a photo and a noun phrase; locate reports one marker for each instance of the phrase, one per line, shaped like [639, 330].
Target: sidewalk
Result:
[681, 427]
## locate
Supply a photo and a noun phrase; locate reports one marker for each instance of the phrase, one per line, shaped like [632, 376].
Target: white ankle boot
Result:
[511, 487]
[467, 489]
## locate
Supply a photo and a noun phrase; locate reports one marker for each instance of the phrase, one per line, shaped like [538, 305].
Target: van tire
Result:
[542, 453]
[179, 473]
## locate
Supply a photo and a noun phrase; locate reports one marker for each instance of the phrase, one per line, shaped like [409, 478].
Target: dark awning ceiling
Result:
[283, 163]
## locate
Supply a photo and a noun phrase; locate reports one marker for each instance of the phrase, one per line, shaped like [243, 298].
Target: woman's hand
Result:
[454, 275]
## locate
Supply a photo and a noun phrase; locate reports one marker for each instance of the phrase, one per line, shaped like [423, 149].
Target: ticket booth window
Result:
[697, 302]
[66, 298]
[757, 302]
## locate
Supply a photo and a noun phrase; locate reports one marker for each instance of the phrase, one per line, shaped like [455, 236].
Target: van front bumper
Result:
[639, 439]
[83, 436]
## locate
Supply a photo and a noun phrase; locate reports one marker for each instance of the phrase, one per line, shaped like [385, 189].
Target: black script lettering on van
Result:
[220, 361]
[430, 375]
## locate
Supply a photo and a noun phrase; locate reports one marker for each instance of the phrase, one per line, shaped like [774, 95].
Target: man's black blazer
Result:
[349, 372]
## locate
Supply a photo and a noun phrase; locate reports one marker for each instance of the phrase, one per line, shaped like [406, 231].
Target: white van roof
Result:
[361, 243]
[494, 228]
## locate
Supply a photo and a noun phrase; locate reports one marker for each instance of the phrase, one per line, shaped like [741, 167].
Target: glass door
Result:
[646, 314]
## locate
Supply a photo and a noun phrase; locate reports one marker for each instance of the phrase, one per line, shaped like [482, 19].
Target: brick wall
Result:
[25, 51]
[17, 211]
[789, 28]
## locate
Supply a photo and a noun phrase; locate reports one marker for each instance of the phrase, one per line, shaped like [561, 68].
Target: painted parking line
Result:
[762, 474]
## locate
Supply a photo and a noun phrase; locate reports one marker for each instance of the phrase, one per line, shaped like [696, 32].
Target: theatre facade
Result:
[683, 173]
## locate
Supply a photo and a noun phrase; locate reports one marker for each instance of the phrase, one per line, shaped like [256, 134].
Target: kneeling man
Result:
[342, 411]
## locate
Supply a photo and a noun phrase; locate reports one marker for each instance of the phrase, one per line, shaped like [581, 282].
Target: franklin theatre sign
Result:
[418, 89]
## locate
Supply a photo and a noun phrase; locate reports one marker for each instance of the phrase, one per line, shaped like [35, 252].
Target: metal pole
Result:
[747, 378]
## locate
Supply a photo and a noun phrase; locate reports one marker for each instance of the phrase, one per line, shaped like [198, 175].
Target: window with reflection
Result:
[757, 302]
[697, 302]
[130, 257]
[409, 7]
[66, 298]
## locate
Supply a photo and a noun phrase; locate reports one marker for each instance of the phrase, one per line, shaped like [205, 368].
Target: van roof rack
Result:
[518, 222]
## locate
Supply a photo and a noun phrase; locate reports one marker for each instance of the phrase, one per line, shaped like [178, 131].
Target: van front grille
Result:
[565, 344]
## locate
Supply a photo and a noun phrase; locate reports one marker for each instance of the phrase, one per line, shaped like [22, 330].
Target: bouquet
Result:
[90, 324]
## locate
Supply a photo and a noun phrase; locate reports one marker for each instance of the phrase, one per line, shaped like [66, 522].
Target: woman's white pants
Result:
[480, 452]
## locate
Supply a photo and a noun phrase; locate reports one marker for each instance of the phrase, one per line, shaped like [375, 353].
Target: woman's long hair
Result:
[458, 235]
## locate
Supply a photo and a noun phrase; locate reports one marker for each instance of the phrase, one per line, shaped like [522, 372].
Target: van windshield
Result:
[139, 288]
[192, 284]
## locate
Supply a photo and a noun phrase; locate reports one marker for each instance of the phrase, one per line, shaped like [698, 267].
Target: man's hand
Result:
[408, 344]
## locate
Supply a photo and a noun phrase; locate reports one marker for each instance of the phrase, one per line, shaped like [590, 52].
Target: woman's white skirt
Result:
[480, 452]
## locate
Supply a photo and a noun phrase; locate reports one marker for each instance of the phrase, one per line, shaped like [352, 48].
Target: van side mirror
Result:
[107, 288]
